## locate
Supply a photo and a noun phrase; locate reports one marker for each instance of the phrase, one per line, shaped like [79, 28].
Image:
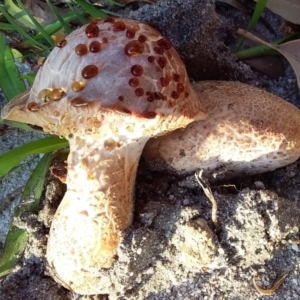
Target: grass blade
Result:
[65, 26]
[14, 246]
[259, 8]
[90, 9]
[12, 158]
[17, 27]
[78, 14]
[34, 186]
[10, 82]
[38, 27]
[6, 26]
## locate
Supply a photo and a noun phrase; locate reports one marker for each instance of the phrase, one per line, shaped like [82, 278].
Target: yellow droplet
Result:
[43, 95]
[77, 86]
[56, 94]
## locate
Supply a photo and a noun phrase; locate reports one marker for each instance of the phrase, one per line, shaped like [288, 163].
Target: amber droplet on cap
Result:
[92, 30]
[175, 95]
[186, 94]
[164, 43]
[33, 106]
[60, 42]
[139, 92]
[104, 40]
[176, 77]
[142, 38]
[159, 50]
[150, 97]
[121, 98]
[162, 61]
[89, 71]
[180, 87]
[149, 114]
[77, 86]
[81, 49]
[134, 82]
[134, 48]
[109, 20]
[137, 70]
[164, 81]
[43, 95]
[78, 102]
[95, 47]
[110, 144]
[56, 94]
[119, 26]
[158, 95]
[130, 33]
[151, 58]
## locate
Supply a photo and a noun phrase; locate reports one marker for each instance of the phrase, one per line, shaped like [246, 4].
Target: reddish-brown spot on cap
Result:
[175, 95]
[130, 33]
[150, 97]
[60, 42]
[33, 106]
[92, 30]
[119, 26]
[176, 77]
[139, 92]
[151, 58]
[105, 40]
[142, 38]
[89, 71]
[149, 114]
[180, 87]
[77, 102]
[134, 48]
[164, 43]
[109, 20]
[164, 81]
[162, 61]
[95, 47]
[159, 50]
[158, 95]
[186, 94]
[137, 70]
[134, 82]
[81, 49]
[121, 98]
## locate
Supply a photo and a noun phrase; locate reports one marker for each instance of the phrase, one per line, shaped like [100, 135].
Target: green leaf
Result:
[10, 82]
[65, 26]
[18, 14]
[14, 246]
[30, 77]
[34, 186]
[90, 9]
[12, 158]
[78, 14]
[38, 27]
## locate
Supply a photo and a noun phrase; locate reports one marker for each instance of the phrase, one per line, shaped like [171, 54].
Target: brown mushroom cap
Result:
[248, 131]
[121, 66]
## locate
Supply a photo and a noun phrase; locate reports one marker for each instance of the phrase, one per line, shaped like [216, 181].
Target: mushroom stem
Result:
[95, 210]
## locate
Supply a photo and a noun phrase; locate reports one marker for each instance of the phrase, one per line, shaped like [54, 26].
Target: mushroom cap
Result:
[112, 70]
[248, 131]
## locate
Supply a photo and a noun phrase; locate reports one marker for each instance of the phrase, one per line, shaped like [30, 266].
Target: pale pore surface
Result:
[248, 131]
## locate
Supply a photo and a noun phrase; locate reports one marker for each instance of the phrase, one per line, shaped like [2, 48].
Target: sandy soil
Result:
[172, 250]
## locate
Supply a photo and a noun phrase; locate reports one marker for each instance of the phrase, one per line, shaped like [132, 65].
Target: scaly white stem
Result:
[95, 210]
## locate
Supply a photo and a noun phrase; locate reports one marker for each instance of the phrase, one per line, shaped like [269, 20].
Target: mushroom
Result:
[249, 131]
[108, 88]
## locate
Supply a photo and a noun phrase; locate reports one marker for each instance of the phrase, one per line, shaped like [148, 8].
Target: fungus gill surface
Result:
[248, 131]
[108, 88]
